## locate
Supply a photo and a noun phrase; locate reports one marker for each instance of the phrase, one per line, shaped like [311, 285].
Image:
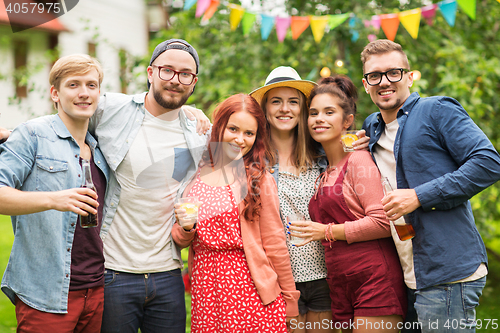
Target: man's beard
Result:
[389, 107]
[171, 104]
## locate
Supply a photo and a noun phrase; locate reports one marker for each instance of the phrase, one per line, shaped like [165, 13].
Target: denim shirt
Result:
[41, 155]
[115, 125]
[444, 156]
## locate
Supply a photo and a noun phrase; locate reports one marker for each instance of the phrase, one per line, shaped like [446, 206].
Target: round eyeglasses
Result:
[167, 74]
[393, 75]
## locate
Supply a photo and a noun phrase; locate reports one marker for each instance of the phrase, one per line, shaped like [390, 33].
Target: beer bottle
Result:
[90, 220]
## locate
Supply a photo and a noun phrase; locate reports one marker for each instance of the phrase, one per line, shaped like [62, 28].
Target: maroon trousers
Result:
[84, 315]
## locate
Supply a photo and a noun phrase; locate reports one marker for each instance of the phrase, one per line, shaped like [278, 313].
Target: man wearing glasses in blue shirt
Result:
[437, 158]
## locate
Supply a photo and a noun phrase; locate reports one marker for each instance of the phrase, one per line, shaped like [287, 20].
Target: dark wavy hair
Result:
[254, 159]
[342, 87]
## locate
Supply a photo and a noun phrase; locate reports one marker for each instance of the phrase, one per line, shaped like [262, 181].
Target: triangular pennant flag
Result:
[372, 37]
[428, 12]
[354, 32]
[449, 10]
[336, 20]
[188, 4]
[469, 7]
[376, 22]
[299, 24]
[266, 25]
[201, 7]
[318, 25]
[410, 19]
[367, 23]
[235, 16]
[210, 10]
[282, 25]
[389, 24]
[247, 22]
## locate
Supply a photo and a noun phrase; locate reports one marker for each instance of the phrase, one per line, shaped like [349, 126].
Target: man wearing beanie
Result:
[153, 150]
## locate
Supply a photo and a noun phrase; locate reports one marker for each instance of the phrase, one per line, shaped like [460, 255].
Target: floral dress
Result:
[224, 297]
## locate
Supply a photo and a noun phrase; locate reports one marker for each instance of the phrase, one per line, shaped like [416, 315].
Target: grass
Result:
[489, 308]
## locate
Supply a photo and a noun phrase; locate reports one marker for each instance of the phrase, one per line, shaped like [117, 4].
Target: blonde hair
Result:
[382, 46]
[76, 64]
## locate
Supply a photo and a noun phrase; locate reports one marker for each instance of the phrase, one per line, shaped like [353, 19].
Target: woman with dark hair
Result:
[364, 273]
[239, 264]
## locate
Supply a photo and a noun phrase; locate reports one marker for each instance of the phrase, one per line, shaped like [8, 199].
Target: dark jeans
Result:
[153, 302]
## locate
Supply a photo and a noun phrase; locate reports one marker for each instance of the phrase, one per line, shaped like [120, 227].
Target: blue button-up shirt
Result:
[115, 124]
[41, 155]
[444, 156]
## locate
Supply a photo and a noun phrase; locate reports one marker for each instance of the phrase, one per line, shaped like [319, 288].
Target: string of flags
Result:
[389, 23]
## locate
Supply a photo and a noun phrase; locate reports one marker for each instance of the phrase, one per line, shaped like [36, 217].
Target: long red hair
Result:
[255, 164]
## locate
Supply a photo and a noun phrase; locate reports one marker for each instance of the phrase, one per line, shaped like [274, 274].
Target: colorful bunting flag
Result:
[282, 25]
[469, 7]
[336, 20]
[389, 24]
[449, 10]
[372, 37]
[266, 25]
[376, 22]
[235, 16]
[428, 12]
[299, 24]
[410, 19]
[247, 22]
[188, 4]
[210, 10]
[318, 25]
[354, 32]
[201, 7]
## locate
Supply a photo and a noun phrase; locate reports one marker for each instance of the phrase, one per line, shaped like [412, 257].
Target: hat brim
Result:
[303, 86]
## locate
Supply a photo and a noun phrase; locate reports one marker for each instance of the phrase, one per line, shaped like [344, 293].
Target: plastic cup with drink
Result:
[190, 205]
[348, 137]
[404, 230]
[295, 217]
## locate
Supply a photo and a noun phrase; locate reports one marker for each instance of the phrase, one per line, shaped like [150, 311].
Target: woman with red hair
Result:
[238, 259]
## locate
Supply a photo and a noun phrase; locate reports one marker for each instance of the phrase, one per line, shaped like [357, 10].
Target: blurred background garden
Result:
[455, 51]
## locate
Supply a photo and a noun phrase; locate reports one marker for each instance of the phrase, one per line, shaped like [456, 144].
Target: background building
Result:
[113, 31]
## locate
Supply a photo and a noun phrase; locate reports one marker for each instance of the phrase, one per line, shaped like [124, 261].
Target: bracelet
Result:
[329, 235]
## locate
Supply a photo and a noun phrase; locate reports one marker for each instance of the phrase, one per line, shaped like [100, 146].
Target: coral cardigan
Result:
[264, 245]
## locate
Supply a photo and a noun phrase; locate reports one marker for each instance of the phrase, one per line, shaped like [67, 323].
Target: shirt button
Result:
[72, 224]
[104, 226]
[51, 168]
[112, 204]
[76, 155]
[69, 249]
[98, 162]
[271, 171]
[67, 275]
[78, 175]
[433, 208]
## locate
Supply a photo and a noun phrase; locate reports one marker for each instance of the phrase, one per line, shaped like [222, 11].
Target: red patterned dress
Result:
[224, 297]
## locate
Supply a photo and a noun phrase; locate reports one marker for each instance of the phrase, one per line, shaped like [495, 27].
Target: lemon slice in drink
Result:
[349, 139]
[190, 208]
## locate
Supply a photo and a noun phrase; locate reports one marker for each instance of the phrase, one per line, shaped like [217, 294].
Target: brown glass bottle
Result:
[90, 220]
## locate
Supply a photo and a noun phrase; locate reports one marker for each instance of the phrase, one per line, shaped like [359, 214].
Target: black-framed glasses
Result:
[167, 74]
[393, 75]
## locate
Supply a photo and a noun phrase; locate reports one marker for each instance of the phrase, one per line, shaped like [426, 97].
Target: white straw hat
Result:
[283, 76]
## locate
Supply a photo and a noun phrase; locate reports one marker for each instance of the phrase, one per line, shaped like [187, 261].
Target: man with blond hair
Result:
[55, 273]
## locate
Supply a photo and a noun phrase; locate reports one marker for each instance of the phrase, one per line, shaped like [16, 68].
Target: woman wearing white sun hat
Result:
[293, 163]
